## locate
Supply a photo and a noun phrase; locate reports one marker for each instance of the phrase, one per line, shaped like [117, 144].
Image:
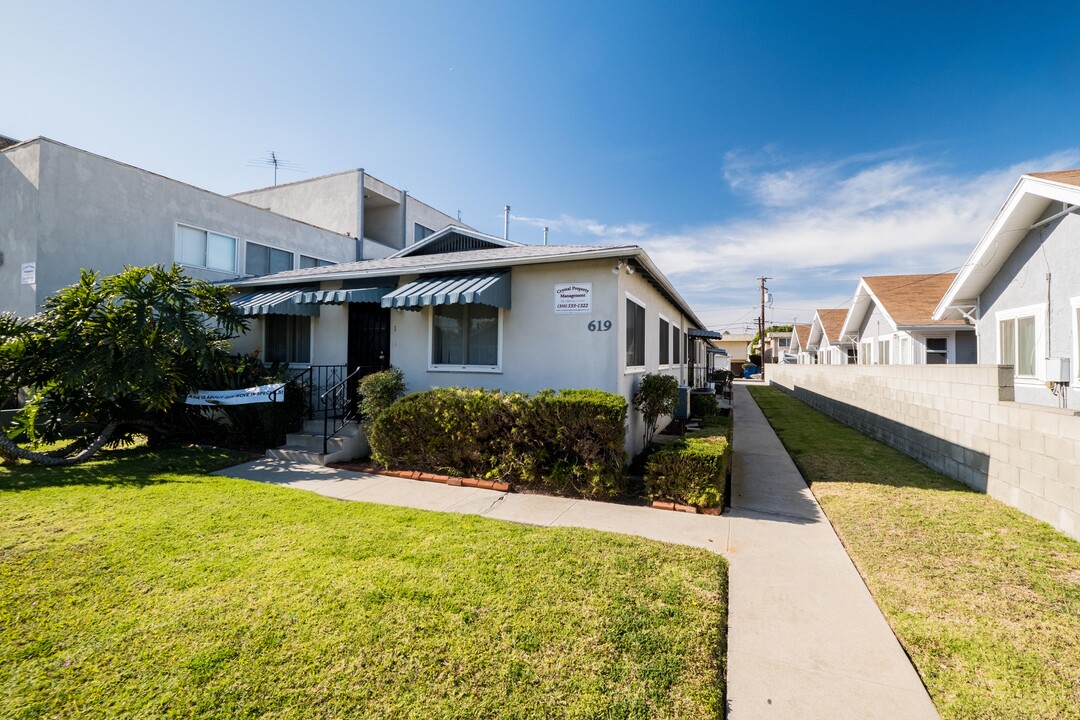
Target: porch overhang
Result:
[490, 288]
[339, 297]
[707, 334]
[274, 302]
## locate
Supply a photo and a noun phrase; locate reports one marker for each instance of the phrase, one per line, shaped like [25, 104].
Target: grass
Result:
[985, 599]
[138, 586]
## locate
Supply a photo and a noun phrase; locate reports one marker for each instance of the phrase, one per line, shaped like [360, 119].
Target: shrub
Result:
[703, 405]
[452, 430]
[379, 391]
[691, 472]
[575, 442]
[656, 395]
[570, 441]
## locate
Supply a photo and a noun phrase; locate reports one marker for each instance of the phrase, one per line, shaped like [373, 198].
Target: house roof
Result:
[905, 300]
[470, 260]
[801, 333]
[454, 238]
[829, 323]
[1026, 207]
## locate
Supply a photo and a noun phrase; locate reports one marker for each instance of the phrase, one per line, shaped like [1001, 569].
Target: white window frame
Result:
[681, 344]
[177, 248]
[1039, 359]
[668, 365]
[884, 350]
[635, 369]
[926, 348]
[442, 367]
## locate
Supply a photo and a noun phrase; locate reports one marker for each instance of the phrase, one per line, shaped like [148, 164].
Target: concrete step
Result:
[315, 427]
[314, 441]
[296, 454]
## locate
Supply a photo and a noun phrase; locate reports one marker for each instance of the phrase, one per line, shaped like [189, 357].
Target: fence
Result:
[960, 420]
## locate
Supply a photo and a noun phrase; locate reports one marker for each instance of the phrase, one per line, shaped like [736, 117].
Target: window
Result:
[663, 338]
[263, 260]
[864, 354]
[465, 335]
[287, 339]
[937, 351]
[883, 352]
[202, 248]
[903, 349]
[420, 232]
[1016, 344]
[306, 261]
[676, 346]
[635, 334]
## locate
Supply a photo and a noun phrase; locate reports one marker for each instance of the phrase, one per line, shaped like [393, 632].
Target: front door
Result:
[369, 338]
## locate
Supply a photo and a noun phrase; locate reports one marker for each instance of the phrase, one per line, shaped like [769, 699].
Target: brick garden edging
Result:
[492, 485]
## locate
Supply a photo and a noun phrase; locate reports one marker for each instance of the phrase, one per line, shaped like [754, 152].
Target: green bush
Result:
[569, 442]
[575, 443]
[703, 405]
[452, 430]
[656, 395]
[691, 472]
[379, 391]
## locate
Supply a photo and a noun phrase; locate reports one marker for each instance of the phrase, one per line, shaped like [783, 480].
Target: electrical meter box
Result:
[1058, 370]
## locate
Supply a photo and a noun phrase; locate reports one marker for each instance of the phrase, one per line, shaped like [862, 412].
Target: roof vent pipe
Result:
[545, 236]
[506, 222]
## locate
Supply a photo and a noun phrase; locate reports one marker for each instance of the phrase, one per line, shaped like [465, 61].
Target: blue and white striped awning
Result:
[337, 297]
[274, 302]
[492, 288]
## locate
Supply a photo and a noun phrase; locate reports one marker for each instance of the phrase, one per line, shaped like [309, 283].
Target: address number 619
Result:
[599, 325]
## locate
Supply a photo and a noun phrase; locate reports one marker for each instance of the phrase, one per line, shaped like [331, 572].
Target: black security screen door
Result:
[369, 338]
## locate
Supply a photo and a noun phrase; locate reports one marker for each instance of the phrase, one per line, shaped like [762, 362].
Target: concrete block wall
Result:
[960, 420]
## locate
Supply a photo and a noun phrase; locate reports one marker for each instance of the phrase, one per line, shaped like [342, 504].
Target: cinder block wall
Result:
[960, 420]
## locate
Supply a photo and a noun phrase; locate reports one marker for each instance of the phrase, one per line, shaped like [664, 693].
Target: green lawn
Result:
[137, 586]
[985, 599]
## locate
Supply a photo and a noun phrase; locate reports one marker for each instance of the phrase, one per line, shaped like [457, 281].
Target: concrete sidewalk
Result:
[805, 639]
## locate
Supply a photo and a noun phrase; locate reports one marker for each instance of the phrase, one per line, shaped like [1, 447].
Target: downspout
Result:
[360, 215]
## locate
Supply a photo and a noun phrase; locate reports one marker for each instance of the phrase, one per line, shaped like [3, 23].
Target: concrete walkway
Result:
[805, 639]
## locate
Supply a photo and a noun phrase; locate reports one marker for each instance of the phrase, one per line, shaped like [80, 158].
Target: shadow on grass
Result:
[125, 466]
[866, 447]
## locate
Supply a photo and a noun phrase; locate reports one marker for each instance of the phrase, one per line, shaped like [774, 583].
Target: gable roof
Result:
[905, 300]
[801, 333]
[1027, 203]
[827, 323]
[454, 238]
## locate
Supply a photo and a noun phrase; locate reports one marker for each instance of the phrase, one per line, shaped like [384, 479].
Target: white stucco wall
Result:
[1042, 275]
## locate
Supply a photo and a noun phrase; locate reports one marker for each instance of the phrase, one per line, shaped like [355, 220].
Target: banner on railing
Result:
[244, 396]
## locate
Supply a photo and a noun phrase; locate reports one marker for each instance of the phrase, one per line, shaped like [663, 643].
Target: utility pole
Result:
[761, 325]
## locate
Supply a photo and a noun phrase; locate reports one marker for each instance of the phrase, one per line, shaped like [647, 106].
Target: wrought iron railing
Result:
[339, 405]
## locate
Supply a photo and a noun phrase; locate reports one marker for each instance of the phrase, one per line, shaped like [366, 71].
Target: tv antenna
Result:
[274, 160]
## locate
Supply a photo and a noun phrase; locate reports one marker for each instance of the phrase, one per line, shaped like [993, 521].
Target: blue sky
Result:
[812, 143]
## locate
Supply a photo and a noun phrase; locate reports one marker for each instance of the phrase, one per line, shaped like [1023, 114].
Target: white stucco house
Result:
[800, 339]
[891, 322]
[824, 340]
[1021, 289]
[63, 209]
[462, 308]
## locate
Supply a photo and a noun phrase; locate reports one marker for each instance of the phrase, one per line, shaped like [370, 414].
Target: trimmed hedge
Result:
[691, 472]
[569, 442]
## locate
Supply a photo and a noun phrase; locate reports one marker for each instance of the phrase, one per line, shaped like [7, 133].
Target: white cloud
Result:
[565, 224]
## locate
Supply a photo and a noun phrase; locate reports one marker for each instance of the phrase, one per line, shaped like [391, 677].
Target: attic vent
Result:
[454, 242]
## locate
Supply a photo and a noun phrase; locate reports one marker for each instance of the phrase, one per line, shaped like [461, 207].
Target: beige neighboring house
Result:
[826, 341]
[777, 344]
[891, 323]
[800, 337]
[737, 346]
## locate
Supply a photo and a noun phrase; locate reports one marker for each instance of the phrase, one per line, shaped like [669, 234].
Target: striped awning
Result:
[491, 288]
[708, 334]
[337, 297]
[274, 302]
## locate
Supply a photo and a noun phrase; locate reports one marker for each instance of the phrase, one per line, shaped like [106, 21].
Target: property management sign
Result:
[573, 298]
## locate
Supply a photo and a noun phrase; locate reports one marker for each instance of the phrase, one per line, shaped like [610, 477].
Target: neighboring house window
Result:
[903, 351]
[851, 356]
[307, 261]
[663, 338]
[864, 356]
[635, 334]
[202, 248]
[676, 346]
[287, 339]
[420, 232]
[1016, 337]
[784, 342]
[465, 336]
[883, 352]
[263, 260]
[937, 351]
